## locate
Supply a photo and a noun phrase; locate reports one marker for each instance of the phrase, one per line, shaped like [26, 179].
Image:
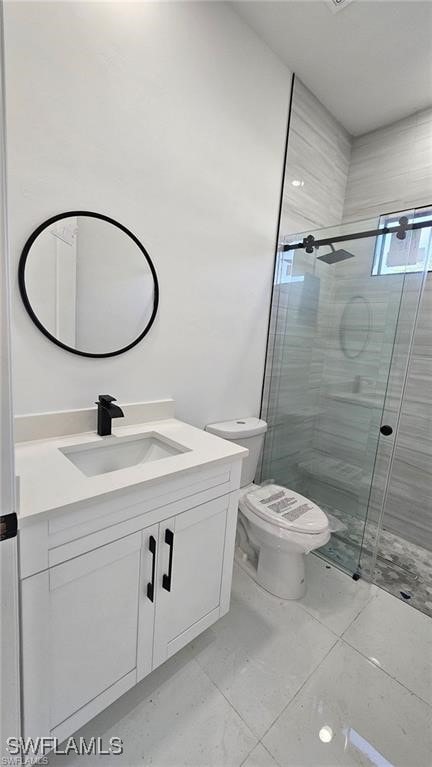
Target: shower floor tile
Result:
[403, 569]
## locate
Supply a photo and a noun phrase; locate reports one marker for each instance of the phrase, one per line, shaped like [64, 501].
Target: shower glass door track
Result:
[347, 392]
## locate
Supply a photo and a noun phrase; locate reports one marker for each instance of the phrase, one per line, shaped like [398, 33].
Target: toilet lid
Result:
[285, 508]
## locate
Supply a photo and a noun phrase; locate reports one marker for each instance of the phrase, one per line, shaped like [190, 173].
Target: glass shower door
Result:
[333, 326]
[397, 542]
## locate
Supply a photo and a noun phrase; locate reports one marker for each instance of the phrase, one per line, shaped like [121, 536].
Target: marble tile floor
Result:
[402, 568]
[341, 678]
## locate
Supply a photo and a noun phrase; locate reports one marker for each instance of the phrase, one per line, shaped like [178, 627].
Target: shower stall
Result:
[348, 392]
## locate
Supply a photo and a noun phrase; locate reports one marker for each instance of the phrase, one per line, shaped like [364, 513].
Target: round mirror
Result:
[355, 327]
[88, 284]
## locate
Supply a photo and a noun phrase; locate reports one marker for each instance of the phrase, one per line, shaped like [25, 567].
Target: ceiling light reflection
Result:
[326, 734]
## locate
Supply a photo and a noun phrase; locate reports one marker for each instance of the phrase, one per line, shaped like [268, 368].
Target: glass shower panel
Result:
[397, 545]
[330, 349]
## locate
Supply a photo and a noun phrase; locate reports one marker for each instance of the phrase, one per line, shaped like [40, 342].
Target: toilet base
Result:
[279, 573]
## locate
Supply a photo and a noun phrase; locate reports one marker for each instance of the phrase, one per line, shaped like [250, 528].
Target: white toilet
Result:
[276, 526]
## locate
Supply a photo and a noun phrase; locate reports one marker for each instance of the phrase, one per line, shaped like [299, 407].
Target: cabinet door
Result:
[80, 623]
[147, 600]
[192, 551]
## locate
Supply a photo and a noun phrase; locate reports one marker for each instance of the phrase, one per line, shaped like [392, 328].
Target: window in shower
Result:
[394, 256]
[285, 272]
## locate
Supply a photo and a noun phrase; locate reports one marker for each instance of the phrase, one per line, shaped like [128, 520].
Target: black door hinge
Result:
[8, 526]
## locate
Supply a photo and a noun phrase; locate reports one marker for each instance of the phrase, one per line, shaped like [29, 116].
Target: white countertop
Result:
[49, 481]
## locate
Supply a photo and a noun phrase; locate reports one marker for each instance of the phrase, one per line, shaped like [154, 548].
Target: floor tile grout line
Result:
[259, 739]
[369, 601]
[337, 639]
[387, 673]
[320, 623]
[285, 604]
[270, 754]
[282, 606]
[335, 633]
[248, 754]
[260, 743]
[231, 705]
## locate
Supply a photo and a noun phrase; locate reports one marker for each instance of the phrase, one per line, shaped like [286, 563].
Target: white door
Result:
[189, 581]
[9, 625]
[80, 627]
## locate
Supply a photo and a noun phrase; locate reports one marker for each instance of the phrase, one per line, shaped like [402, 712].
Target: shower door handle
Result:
[386, 430]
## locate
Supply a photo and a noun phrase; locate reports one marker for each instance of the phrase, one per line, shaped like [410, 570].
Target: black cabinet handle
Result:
[169, 539]
[386, 430]
[150, 586]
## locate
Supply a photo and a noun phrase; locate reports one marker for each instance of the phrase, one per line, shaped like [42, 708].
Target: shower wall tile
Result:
[349, 431]
[318, 157]
[348, 426]
[324, 409]
[391, 169]
[319, 150]
[409, 503]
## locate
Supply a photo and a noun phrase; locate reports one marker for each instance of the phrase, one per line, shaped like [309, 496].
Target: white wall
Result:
[170, 118]
[115, 287]
[51, 266]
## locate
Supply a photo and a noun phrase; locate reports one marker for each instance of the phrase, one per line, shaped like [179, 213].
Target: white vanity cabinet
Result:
[195, 562]
[80, 622]
[122, 591]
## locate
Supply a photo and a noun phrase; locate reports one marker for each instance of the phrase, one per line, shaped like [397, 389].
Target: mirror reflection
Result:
[355, 326]
[89, 284]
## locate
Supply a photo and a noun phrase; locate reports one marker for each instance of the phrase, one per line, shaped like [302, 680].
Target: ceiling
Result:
[370, 63]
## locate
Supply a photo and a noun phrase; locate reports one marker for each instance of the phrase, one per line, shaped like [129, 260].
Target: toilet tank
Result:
[247, 432]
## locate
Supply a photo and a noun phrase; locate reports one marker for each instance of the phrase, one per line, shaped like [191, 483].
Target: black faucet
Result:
[106, 412]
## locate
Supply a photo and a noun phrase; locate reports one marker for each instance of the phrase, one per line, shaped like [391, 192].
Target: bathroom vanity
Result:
[125, 557]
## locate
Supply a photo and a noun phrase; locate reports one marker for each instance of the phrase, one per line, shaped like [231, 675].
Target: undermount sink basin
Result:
[114, 453]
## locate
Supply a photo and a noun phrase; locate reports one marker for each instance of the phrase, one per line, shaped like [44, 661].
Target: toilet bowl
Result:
[280, 545]
[276, 526]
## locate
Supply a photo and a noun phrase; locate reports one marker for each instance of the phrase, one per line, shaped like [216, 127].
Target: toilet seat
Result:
[283, 510]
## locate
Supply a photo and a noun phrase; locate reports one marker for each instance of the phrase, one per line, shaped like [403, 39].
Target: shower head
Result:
[335, 256]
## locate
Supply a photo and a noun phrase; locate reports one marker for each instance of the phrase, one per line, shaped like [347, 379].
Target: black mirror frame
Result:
[342, 331]
[29, 308]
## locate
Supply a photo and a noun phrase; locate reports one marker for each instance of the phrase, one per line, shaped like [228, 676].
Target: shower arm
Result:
[310, 243]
